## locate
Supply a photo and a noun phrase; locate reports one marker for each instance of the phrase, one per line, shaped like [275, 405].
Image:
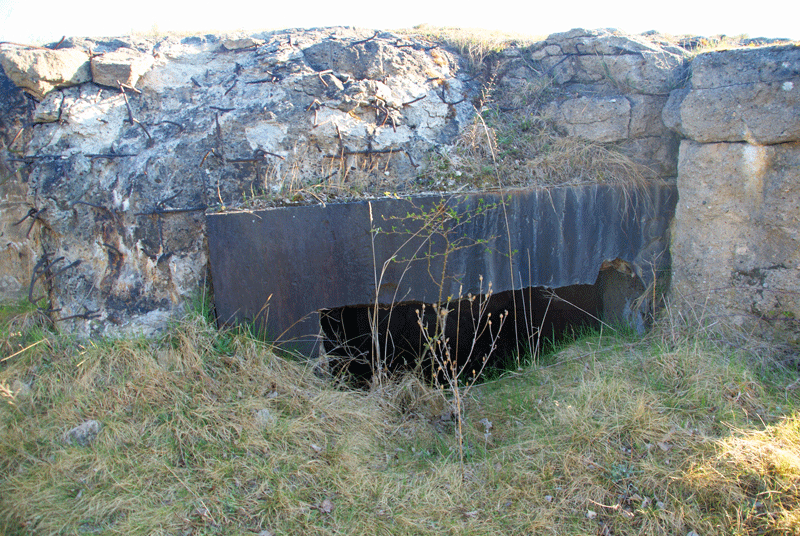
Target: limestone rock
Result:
[736, 244]
[264, 418]
[759, 113]
[18, 247]
[594, 119]
[213, 129]
[38, 71]
[748, 95]
[122, 66]
[646, 112]
[745, 66]
[611, 60]
[49, 109]
[83, 434]
[241, 43]
[671, 113]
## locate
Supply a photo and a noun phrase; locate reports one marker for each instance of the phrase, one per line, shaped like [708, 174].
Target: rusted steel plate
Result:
[277, 267]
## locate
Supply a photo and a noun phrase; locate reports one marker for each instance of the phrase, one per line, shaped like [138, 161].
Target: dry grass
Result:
[503, 150]
[667, 435]
[475, 44]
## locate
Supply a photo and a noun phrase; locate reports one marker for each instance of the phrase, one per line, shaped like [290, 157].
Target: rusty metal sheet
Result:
[278, 267]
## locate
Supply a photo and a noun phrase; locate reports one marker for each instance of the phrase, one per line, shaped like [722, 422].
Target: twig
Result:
[38, 270]
[444, 99]
[133, 120]
[262, 80]
[129, 88]
[168, 199]
[20, 351]
[160, 211]
[127, 104]
[259, 156]
[19, 133]
[413, 101]
[206, 156]
[319, 74]
[220, 109]
[88, 315]
[34, 215]
[31, 214]
[354, 43]
[111, 155]
[195, 82]
[180, 127]
[34, 276]
[230, 88]
[59, 272]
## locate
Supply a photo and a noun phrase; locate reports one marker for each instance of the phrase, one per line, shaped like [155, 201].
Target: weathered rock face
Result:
[121, 180]
[19, 240]
[616, 87]
[125, 152]
[736, 244]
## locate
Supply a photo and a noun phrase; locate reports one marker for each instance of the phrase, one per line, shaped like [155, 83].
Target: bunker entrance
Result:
[359, 340]
[293, 270]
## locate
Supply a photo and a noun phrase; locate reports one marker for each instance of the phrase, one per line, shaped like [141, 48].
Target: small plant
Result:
[457, 366]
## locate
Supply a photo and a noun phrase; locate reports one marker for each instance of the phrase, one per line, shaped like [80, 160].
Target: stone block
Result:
[123, 66]
[736, 240]
[39, 71]
[594, 119]
[759, 113]
[745, 66]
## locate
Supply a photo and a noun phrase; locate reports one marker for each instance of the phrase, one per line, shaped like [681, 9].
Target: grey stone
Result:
[748, 95]
[264, 418]
[40, 71]
[134, 268]
[671, 113]
[595, 119]
[759, 113]
[745, 66]
[646, 113]
[122, 66]
[630, 64]
[241, 43]
[49, 109]
[736, 242]
[83, 434]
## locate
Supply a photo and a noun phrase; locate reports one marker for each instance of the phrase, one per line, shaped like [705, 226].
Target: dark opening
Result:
[522, 321]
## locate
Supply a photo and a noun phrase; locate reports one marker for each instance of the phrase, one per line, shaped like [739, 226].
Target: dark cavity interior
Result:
[496, 327]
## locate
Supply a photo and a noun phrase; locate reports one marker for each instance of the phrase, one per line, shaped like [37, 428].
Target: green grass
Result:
[610, 434]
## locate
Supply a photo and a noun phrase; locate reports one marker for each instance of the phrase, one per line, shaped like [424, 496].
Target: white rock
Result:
[241, 43]
[264, 418]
